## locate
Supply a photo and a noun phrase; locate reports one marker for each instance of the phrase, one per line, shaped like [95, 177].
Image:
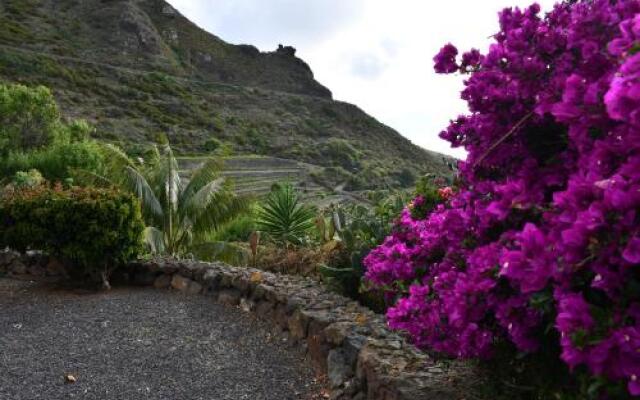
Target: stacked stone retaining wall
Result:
[360, 356]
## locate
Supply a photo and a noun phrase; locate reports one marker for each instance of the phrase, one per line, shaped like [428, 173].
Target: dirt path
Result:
[140, 344]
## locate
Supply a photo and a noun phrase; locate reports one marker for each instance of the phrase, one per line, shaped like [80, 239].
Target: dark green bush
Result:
[342, 153]
[32, 136]
[406, 177]
[29, 117]
[237, 230]
[57, 161]
[332, 176]
[91, 230]
[212, 144]
[257, 140]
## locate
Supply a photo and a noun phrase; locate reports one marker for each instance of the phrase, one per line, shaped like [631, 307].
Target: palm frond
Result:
[89, 178]
[154, 239]
[115, 160]
[137, 184]
[171, 179]
[195, 204]
[208, 172]
[178, 215]
[153, 156]
[224, 208]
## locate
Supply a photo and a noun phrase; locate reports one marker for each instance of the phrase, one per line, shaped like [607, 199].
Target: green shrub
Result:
[29, 117]
[406, 177]
[32, 136]
[237, 230]
[21, 9]
[212, 144]
[29, 179]
[216, 124]
[342, 153]
[359, 229]
[230, 253]
[55, 162]
[91, 230]
[332, 176]
[427, 191]
[358, 182]
[75, 131]
[257, 140]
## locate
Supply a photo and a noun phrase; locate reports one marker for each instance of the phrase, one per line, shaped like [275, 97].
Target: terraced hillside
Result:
[255, 176]
[139, 71]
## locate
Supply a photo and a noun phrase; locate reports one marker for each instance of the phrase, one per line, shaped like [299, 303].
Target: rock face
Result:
[151, 33]
[349, 344]
[136, 31]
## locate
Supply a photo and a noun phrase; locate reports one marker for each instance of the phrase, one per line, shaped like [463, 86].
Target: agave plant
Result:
[179, 213]
[284, 218]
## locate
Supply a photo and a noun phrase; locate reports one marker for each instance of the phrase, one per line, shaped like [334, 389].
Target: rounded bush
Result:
[93, 230]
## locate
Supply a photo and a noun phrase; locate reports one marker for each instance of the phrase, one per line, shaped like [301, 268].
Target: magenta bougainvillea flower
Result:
[445, 60]
[544, 228]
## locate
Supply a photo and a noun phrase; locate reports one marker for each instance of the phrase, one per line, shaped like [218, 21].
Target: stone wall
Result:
[32, 266]
[361, 358]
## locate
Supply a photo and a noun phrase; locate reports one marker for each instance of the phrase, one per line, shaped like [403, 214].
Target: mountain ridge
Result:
[142, 70]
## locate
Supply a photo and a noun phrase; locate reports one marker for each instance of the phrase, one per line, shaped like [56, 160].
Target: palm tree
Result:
[179, 213]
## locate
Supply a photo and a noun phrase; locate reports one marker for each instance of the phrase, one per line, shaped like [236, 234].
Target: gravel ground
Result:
[140, 344]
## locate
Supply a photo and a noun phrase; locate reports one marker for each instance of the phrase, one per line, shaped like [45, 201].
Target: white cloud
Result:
[367, 66]
[373, 53]
[267, 23]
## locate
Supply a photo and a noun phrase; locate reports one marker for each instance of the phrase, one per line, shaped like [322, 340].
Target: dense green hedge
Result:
[92, 230]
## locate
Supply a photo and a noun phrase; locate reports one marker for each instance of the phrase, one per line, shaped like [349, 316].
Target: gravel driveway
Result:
[140, 344]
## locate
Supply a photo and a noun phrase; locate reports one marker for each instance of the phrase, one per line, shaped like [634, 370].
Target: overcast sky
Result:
[376, 54]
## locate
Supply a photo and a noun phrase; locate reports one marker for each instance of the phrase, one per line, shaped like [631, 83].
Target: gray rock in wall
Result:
[339, 369]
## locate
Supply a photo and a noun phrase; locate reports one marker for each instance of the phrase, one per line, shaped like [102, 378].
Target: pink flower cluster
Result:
[545, 228]
[446, 193]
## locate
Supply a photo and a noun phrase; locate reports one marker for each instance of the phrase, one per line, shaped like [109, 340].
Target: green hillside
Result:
[139, 70]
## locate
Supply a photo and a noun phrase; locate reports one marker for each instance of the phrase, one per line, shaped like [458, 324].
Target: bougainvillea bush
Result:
[540, 244]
